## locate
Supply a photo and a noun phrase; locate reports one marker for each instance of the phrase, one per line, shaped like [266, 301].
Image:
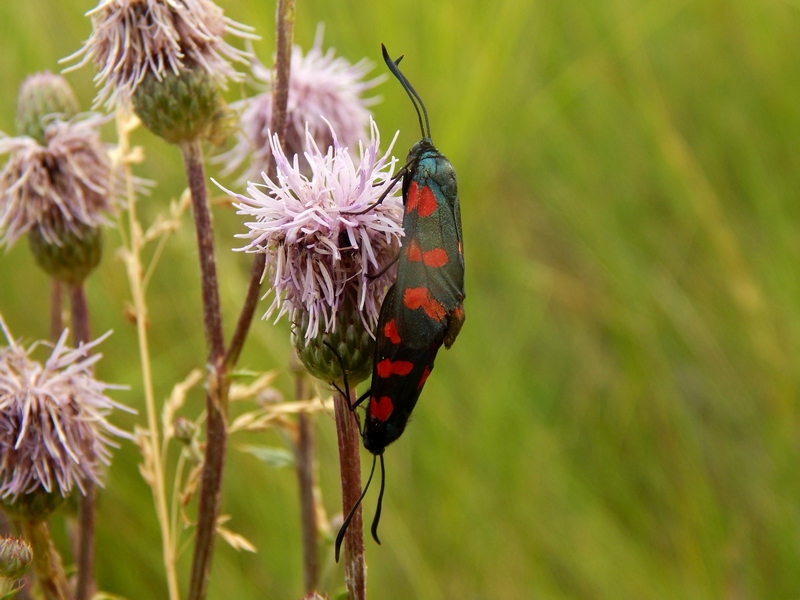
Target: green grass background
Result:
[619, 417]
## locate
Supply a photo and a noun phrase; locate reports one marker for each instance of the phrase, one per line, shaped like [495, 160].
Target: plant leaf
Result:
[276, 458]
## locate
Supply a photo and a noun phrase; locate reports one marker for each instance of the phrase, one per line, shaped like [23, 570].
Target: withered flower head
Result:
[53, 428]
[57, 187]
[132, 39]
[323, 89]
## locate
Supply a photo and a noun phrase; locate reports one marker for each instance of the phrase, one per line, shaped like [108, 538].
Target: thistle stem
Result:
[283, 60]
[280, 97]
[248, 310]
[136, 281]
[306, 471]
[355, 566]
[56, 305]
[87, 507]
[217, 386]
[46, 561]
[212, 312]
[80, 315]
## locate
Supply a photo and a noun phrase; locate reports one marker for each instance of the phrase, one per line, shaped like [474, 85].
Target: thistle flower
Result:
[132, 39]
[53, 429]
[57, 186]
[319, 255]
[322, 89]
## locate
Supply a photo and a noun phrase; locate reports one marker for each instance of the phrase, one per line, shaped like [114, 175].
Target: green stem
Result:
[135, 272]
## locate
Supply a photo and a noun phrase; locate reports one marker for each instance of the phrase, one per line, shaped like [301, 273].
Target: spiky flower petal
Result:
[135, 38]
[323, 89]
[56, 187]
[53, 428]
[320, 255]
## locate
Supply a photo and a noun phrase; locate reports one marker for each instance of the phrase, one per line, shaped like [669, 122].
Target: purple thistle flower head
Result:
[57, 187]
[53, 429]
[325, 93]
[134, 38]
[320, 255]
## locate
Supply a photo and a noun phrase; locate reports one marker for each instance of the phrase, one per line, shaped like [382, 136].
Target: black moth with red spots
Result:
[425, 307]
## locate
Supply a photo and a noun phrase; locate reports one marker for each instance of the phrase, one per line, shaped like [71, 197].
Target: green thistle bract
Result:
[43, 95]
[73, 258]
[182, 107]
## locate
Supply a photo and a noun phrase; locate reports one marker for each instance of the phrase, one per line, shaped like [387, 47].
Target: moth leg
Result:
[346, 391]
[386, 268]
[395, 178]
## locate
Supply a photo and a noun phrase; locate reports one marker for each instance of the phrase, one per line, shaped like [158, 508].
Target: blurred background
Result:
[619, 417]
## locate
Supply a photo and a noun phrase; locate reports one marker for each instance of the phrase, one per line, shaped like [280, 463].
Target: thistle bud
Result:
[184, 430]
[16, 555]
[40, 96]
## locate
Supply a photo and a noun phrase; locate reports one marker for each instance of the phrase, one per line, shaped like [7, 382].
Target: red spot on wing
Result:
[424, 378]
[380, 408]
[423, 200]
[460, 248]
[432, 258]
[411, 199]
[414, 298]
[458, 312]
[435, 258]
[386, 368]
[402, 367]
[413, 252]
[390, 331]
[426, 202]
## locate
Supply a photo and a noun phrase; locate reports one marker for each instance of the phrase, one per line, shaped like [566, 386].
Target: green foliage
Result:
[277, 458]
[619, 417]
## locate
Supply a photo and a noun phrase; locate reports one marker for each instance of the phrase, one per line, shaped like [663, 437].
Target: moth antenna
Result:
[412, 93]
[346, 524]
[377, 517]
